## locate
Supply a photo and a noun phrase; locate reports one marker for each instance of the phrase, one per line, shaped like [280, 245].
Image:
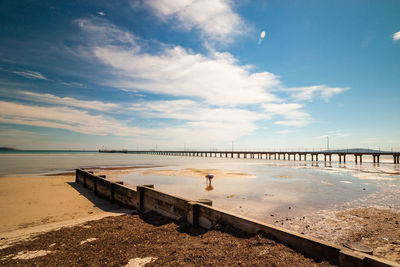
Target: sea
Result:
[278, 189]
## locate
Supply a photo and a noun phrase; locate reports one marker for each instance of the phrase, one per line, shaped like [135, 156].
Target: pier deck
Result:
[276, 155]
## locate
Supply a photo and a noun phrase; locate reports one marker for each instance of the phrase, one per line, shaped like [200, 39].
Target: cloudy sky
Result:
[193, 73]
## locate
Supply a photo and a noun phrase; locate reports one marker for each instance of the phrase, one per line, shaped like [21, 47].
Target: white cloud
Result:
[310, 92]
[217, 98]
[201, 133]
[396, 36]
[203, 124]
[218, 79]
[101, 13]
[9, 132]
[192, 111]
[64, 118]
[101, 32]
[16, 138]
[291, 112]
[285, 131]
[30, 74]
[69, 101]
[73, 84]
[215, 19]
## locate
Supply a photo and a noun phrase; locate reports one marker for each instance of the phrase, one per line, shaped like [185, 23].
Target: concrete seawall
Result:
[146, 198]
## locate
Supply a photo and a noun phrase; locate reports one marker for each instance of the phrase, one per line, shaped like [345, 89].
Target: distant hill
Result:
[7, 149]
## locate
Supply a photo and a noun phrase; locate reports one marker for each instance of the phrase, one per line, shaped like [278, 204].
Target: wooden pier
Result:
[275, 155]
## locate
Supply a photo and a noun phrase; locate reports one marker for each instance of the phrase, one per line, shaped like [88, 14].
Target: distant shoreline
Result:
[11, 150]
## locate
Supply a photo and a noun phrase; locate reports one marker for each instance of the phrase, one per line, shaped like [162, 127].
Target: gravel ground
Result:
[151, 240]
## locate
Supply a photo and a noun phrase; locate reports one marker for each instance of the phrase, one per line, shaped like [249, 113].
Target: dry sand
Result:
[33, 201]
[201, 173]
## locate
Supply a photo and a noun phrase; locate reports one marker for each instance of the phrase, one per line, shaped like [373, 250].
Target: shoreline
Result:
[71, 172]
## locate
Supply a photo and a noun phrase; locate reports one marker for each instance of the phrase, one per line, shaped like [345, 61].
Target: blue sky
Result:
[175, 74]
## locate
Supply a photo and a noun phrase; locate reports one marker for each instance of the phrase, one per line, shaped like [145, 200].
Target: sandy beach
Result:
[33, 201]
[52, 220]
[40, 204]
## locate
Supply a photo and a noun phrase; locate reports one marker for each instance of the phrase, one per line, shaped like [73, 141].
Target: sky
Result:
[192, 74]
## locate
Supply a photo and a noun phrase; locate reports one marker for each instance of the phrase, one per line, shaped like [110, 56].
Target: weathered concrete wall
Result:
[112, 191]
[80, 177]
[124, 196]
[168, 205]
[89, 181]
[145, 198]
[103, 188]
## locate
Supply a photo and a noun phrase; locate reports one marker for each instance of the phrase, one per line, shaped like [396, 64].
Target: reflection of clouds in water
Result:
[367, 171]
[375, 176]
[309, 189]
[326, 183]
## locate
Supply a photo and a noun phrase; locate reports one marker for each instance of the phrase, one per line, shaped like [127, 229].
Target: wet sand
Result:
[376, 227]
[201, 173]
[370, 220]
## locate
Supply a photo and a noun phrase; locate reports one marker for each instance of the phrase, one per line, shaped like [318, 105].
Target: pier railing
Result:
[276, 155]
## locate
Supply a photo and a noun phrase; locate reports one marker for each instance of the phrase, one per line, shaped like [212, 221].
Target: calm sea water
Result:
[280, 188]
